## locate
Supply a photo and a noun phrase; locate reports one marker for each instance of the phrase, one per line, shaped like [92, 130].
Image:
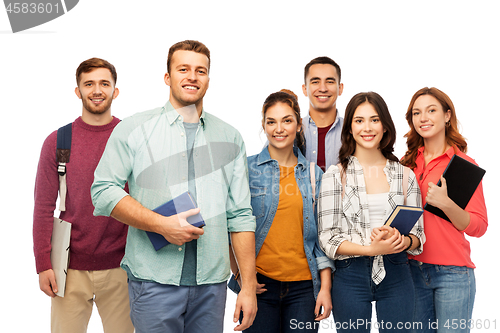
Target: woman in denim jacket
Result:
[293, 274]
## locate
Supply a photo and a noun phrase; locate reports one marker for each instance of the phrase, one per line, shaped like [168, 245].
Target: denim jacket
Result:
[264, 179]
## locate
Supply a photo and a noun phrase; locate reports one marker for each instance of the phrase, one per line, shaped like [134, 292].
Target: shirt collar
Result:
[450, 151]
[172, 115]
[311, 121]
[264, 156]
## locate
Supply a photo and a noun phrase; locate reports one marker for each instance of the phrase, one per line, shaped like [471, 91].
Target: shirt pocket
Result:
[258, 201]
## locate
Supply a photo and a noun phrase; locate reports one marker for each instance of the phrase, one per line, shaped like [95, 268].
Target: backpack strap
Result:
[63, 153]
[406, 175]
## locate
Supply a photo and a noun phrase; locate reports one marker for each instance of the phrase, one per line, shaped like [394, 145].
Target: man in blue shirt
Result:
[323, 125]
[163, 153]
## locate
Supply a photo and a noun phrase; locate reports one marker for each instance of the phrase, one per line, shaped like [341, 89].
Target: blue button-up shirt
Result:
[264, 178]
[332, 140]
[148, 150]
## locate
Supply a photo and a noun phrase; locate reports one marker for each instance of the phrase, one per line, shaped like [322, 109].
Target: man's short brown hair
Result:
[188, 45]
[93, 63]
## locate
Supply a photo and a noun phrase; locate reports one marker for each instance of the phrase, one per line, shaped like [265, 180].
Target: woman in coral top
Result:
[293, 274]
[444, 273]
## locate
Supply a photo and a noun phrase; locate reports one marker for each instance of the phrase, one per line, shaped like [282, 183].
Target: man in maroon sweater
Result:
[97, 243]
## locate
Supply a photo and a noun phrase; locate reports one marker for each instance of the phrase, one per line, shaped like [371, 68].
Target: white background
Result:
[258, 47]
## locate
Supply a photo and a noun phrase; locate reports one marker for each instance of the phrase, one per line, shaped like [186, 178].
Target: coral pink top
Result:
[445, 245]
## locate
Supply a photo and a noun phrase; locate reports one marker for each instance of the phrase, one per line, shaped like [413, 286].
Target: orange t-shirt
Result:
[282, 255]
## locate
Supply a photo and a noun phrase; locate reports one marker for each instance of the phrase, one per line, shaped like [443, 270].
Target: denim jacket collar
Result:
[265, 157]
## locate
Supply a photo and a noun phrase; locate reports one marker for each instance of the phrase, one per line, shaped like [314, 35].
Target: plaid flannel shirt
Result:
[347, 218]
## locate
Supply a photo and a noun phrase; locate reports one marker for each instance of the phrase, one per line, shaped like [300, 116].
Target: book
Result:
[59, 254]
[404, 218]
[462, 179]
[182, 203]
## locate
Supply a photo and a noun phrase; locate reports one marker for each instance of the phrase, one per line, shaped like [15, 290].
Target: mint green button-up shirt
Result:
[148, 150]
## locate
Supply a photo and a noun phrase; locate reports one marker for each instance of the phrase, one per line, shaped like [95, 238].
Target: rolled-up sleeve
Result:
[478, 215]
[324, 262]
[239, 210]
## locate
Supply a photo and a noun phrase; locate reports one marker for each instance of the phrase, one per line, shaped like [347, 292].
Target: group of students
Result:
[301, 224]
[421, 282]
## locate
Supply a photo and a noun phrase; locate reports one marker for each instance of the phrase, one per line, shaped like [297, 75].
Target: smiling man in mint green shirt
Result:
[163, 153]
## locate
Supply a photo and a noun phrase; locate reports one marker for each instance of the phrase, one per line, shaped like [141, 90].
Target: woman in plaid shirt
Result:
[370, 258]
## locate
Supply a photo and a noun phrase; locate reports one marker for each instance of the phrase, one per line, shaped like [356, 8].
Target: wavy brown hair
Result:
[452, 135]
[287, 97]
[388, 139]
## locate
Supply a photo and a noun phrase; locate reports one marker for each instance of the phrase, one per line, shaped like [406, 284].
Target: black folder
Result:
[462, 178]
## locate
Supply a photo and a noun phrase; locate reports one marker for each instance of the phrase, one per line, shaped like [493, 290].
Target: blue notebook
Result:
[404, 218]
[182, 203]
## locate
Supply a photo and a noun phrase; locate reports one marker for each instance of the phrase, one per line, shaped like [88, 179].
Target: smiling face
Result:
[188, 79]
[97, 90]
[281, 126]
[322, 87]
[429, 118]
[366, 128]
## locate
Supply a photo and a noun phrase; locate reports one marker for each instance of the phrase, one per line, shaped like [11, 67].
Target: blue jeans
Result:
[444, 297]
[160, 308]
[285, 307]
[353, 292]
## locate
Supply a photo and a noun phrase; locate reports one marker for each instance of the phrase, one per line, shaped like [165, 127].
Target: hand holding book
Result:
[461, 179]
[404, 218]
[386, 230]
[178, 230]
[183, 216]
[386, 240]
[47, 281]
[182, 209]
[437, 195]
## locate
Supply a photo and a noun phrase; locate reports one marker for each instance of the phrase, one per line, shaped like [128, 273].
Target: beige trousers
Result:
[107, 288]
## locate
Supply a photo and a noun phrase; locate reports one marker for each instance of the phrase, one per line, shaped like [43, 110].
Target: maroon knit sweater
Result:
[97, 242]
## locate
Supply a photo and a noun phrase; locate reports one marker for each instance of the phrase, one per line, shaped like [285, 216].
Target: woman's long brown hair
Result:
[389, 138]
[414, 141]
